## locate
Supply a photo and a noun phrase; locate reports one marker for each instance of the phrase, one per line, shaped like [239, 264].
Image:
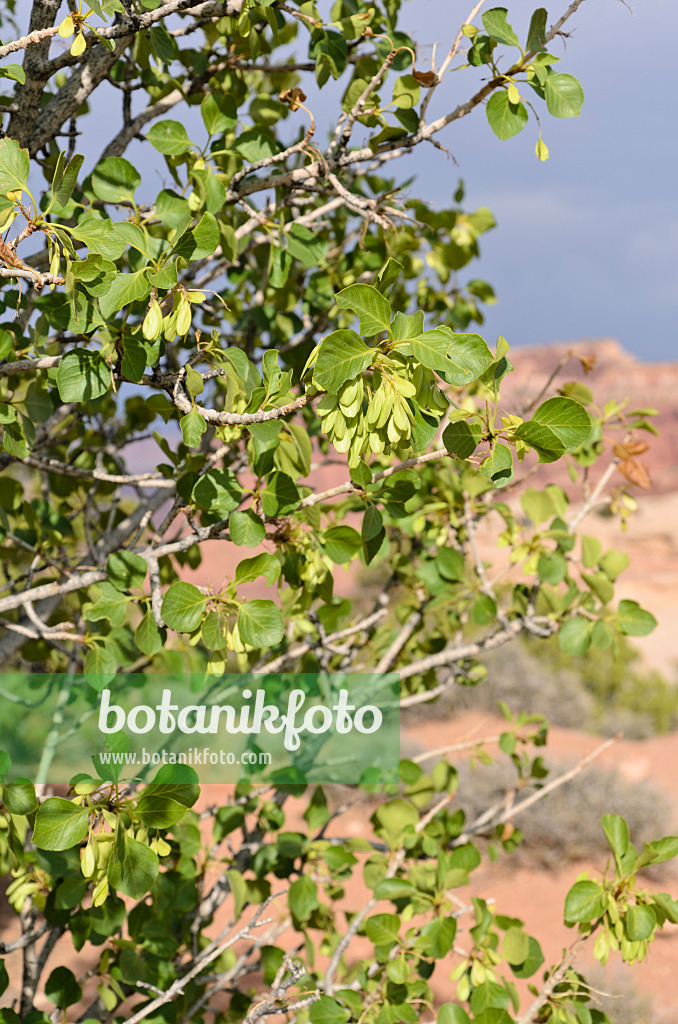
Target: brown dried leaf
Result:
[292, 97]
[636, 473]
[588, 362]
[630, 449]
[425, 78]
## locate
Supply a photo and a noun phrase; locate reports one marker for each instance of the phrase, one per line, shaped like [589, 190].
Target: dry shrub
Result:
[565, 825]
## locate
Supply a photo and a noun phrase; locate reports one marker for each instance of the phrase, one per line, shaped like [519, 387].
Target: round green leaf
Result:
[183, 607]
[59, 824]
[169, 137]
[82, 375]
[246, 529]
[125, 570]
[341, 543]
[62, 989]
[564, 95]
[452, 1013]
[260, 623]
[99, 666]
[217, 491]
[147, 636]
[133, 867]
[640, 922]
[505, 119]
[115, 180]
[575, 636]
[584, 902]
[634, 620]
[19, 797]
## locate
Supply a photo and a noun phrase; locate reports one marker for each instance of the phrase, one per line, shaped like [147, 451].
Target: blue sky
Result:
[587, 243]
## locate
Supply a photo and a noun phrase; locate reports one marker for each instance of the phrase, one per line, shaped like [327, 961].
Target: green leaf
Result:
[498, 466]
[246, 528]
[82, 376]
[133, 867]
[126, 570]
[461, 438]
[110, 604]
[99, 666]
[254, 145]
[535, 958]
[15, 72]
[665, 849]
[406, 92]
[4, 977]
[552, 568]
[591, 550]
[266, 565]
[667, 905]
[505, 119]
[536, 34]
[100, 237]
[564, 95]
[452, 1013]
[640, 922]
[437, 937]
[342, 356]
[62, 989]
[584, 902]
[306, 246]
[148, 637]
[575, 636]
[280, 496]
[19, 797]
[213, 632]
[537, 505]
[388, 274]
[341, 543]
[394, 817]
[218, 491]
[406, 326]
[303, 898]
[124, 288]
[260, 623]
[238, 888]
[327, 1010]
[199, 242]
[383, 929]
[372, 308]
[183, 607]
[169, 138]
[497, 27]
[59, 824]
[115, 180]
[219, 112]
[617, 834]
[14, 166]
[557, 427]
[602, 636]
[632, 620]
[450, 563]
[166, 799]
[516, 946]
[64, 190]
[459, 358]
[193, 426]
[614, 563]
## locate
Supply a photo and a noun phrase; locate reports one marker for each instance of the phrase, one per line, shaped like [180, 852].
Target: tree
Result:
[278, 304]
